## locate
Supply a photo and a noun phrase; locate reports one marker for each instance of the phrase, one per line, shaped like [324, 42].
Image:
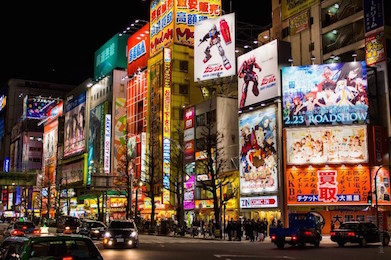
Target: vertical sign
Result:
[162, 25]
[166, 125]
[143, 173]
[373, 15]
[107, 144]
[6, 164]
[188, 135]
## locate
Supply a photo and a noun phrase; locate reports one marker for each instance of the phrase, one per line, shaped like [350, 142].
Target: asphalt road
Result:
[159, 247]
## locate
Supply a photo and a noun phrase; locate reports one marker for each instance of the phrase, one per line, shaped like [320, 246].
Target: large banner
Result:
[325, 94]
[292, 7]
[214, 48]
[38, 107]
[119, 153]
[162, 25]
[75, 124]
[258, 75]
[189, 196]
[319, 145]
[327, 186]
[382, 185]
[50, 152]
[138, 50]
[258, 151]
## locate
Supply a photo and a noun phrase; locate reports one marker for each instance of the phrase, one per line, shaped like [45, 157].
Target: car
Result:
[49, 247]
[92, 228]
[21, 228]
[68, 224]
[121, 233]
[360, 233]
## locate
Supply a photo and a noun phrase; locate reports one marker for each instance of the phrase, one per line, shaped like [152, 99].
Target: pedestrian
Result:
[230, 229]
[251, 226]
[279, 224]
[239, 230]
[266, 224]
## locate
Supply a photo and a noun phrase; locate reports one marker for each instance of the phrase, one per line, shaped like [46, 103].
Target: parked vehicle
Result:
[360, 233]
[92, 228]
[49, 247]
[21, 228]
[121, 233]
[303, 228]
[68, 224]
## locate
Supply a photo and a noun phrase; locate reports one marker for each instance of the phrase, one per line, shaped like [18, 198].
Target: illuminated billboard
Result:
[188, 13]
[75, 124]
[49, 164]
[258, 151]
[327, 186]
[258, 75]
[319, 145]
[214, 48]
[189, 194]
[330, 94]
[382, 185]
[292, 7]
[138, 50]
[37, 107]
[162, 25]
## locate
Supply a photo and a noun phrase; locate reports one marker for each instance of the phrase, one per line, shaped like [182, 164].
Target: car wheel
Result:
[317, 243]
[386, 240]
[280, 244]
[363, 242]
[341, 244]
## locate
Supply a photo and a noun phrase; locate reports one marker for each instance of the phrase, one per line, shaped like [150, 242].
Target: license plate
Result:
[119, 240]
[288, 238]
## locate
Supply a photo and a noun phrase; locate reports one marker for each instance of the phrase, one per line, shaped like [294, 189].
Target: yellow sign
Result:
[292, 7]
[162, 25]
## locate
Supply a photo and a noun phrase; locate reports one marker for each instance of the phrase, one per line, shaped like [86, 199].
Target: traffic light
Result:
[369, 199]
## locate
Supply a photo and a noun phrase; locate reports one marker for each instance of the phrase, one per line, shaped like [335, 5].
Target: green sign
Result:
[110, 56]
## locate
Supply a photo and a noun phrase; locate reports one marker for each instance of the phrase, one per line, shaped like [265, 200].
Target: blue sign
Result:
[6, 166]
[373, 14]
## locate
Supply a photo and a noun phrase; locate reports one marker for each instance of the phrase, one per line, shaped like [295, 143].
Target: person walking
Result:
[230, 229]
[251, 226]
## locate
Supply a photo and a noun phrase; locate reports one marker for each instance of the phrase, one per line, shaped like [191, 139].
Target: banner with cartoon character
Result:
[331, 94]
[258, 151]
[315, 145]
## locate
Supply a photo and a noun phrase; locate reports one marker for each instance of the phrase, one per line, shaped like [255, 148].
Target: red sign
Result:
[137, 51]
[258, 202]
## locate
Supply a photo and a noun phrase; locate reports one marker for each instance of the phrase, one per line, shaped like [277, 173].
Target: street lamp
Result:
[376, 201]
[140, 183]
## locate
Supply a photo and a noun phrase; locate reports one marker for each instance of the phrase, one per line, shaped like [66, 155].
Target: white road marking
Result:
[252, 256]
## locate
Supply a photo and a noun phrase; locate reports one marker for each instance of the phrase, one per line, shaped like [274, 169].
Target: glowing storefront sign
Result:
[258, 202]
[162, 25]
[107, 145]
[166, 125]
[327, 186]
[325, 94]
[138, 50]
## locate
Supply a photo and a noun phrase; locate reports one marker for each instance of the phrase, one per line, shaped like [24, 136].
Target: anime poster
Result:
[382, 186]
[50, 152]
[330, 94]
[75, 124]
[258, 75]
[332, 185]
[347, 144]
[119, 154]
[214, 48]
[258, 151]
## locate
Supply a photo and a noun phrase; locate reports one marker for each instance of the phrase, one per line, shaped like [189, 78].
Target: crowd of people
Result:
[249, 229]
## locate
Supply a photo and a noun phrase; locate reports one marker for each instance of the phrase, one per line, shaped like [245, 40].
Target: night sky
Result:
[56, 43]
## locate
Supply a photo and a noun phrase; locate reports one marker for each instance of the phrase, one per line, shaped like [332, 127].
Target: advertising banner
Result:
[119, 153]
[75, 124]
[330, 94]
[188, 13]
[72, 173]
[162, 25]
[50, 135]
[214, 48]
[258, 202]
[189, 135]
[327, 186]
[189, 196]
[258, 151]
[299, 23]
[37, 107]
[107, 145]
[138, 50]
[258, 75]
[143, 157]
[373, 15]
[375, 48]
[292, 7]
[382, 186]
[315, 145]
[167, 126]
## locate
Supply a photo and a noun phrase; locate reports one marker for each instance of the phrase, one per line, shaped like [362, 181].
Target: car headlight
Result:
[67, 228]
[95, 231]
[133, 234]
[107, 234]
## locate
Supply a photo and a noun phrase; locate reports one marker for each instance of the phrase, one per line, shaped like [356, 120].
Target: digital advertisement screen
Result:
[315, 145]
[326, 94]
[258, 151]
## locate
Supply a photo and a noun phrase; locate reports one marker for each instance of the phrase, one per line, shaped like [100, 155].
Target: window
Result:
[183, 65]
[183, 89]
[211, 117]
[200, 120]
[140, 106]
[200, 144]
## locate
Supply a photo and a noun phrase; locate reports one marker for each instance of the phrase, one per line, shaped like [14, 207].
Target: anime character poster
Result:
[214, 48]
[258, 75]
[331, 94]
[50, 152]
[344, 144]
[258, 151]
[382, 185]
[75, 124]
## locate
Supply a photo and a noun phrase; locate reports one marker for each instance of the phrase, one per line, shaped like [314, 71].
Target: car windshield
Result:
[24, 225]
[71, 221]
[349, 225]
[9, 249]
[57, 249]
[121, 224]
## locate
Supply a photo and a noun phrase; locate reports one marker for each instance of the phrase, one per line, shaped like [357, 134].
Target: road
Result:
[159, 247]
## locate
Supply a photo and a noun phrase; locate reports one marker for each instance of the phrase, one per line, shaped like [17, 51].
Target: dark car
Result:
[360, 233]
[21, 228]
[49, 247]
[92, 228]
[121, 233]
[67, 224]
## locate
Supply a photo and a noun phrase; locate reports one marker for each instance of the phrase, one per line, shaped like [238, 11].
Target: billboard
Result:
[166, 125]
[50, 135]
[162, 25]
[258, 75]
[292, 7]
[72, 173]
[188, 13]
[138, 50]
[330, 94]
[214, 48]
[37, 107]
[319, 145]
[119, 147]
[327, 186]
[189, 134]
[258, 151]
[373, 15]
[75, 123]
[258, 202]
[189, 194]
[382, 185]
[375, 48]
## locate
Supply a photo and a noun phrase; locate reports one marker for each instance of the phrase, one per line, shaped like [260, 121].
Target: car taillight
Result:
[351, 234]
[332, 233]
[24, 227]
[17, 233]
[307, 233]
[273, 237]
[36, 231]
[294, 238]
[67, 258]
